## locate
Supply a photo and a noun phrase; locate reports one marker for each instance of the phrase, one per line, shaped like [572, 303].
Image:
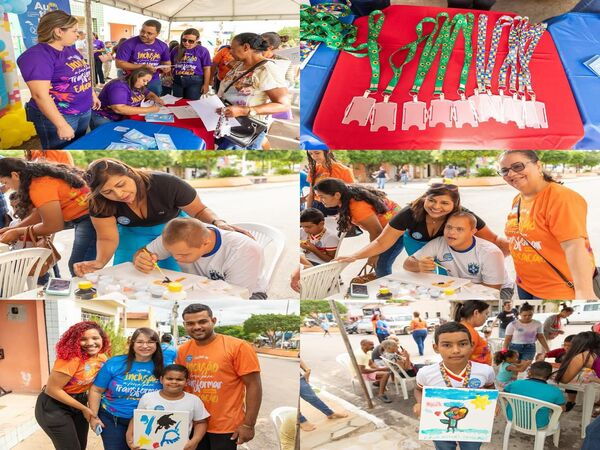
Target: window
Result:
[591, 307]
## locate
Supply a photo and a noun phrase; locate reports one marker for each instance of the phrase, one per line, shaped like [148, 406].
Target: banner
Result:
[37, 8]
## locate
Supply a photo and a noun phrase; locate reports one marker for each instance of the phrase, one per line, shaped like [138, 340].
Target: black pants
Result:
[214, 441]
[65, 425]
[485, 5]
[98, 72]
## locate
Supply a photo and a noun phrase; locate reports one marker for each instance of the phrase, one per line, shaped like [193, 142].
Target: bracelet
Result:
[251, 427]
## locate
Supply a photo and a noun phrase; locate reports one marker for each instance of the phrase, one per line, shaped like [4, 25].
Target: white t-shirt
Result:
[431, 375]
[189, 402]
[483, 262]
[362, 358]
[81, 46]
[236, 258]
[329, 241]
[524, 333]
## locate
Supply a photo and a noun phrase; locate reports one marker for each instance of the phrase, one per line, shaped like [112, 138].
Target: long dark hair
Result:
[29, 170]
[435, 190]
[503, 355]
[135, 75]
[468, 308]
[532, 156]
[312, 164]
[97, 175]
[157, 356]
[526, 307]
[181, 49]
[372, 196]
[585, 341]
[255, 41]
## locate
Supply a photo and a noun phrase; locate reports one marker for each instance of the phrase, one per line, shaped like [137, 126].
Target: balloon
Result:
[14, 129]
[14, 6]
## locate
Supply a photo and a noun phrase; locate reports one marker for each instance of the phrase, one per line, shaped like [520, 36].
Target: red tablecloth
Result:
[351, 77]
[194, 125]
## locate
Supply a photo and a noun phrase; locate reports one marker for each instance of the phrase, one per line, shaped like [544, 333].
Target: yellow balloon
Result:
[11, 138]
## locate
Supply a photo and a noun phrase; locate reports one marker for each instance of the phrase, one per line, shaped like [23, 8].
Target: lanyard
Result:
[467, 28]
[485, 71]
[466, 377]
[533, 35]
[510, 61]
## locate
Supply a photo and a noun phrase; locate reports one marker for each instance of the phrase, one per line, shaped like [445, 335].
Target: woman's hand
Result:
[372, 261]
[153, 109]
[65, 132]
[417, 410]
[11, 235]
[96, 104]
[345, 259]
[89, 414]
[81, 268]
[159, 101]
[234, 111]
[94, 422]
[205, 89]
[222, 225]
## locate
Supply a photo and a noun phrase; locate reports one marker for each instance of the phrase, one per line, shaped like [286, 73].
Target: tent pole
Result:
[169, 30]
[90, 39]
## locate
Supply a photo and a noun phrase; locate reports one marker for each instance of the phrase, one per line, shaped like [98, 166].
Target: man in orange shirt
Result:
[225, 375]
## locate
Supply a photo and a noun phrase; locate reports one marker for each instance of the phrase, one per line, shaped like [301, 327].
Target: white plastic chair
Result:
[15, 267]
[400, 376]
[524, 410]
[278, 415]
[495, 344]
[319, 282]
[344, 360]
[266, 236]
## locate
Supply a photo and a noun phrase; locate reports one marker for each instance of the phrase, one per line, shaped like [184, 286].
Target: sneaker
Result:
[384, 398]
[569, 406]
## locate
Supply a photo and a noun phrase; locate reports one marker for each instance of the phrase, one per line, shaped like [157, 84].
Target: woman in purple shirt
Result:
[122, 97]
[191, 66]
[60, 82]
[99, 49]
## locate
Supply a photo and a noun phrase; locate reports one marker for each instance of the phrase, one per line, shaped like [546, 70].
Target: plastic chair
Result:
[266, 235]
[344, 360]
[319, 282]
[278, 416]
[15, 267]
[495, 344]
[524, 410]
[400, 376]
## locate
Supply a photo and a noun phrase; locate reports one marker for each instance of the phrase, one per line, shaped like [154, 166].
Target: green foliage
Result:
[226, 172]
[181, 330]
[293, 33]
[12, 153]
[486, 172]
[118, 341]
[308, 307]
[148, 159]
[236, 331]
[283, 171]
[415, 158]
[590, 158]
[269, 324]
[463, 158]
[554, 157]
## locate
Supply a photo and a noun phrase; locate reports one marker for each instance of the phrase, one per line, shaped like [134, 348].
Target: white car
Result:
[364, 326]
[399, 324]
[588, 312]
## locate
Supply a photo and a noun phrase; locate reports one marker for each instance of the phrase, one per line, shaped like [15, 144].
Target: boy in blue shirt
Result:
[536, 386]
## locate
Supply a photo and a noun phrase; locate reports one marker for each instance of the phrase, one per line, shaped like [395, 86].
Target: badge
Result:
[383, 115]
[414, 113]
[123, 220]
[474, 383]
[188, 358]
[359, 110]
[464, 112]
[440, 111]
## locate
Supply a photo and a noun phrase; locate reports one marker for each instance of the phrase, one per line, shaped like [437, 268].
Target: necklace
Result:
[465, 375]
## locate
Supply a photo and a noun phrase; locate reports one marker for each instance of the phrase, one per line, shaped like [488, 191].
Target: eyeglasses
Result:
[516, 167]
[450, 187]
[189, 41]
[148, 343]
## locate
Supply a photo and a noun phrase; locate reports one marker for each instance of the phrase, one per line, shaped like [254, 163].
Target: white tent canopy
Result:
[210, 10]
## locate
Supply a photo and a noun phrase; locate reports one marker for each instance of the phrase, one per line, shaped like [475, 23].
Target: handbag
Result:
[32, 241]
[366, 274]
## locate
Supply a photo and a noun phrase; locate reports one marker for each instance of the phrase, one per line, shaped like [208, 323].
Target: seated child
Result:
[558, 355]
[210, 252]
[536, 386]
[452, 341]
[172, 398]
[319, 243]
[508, 367]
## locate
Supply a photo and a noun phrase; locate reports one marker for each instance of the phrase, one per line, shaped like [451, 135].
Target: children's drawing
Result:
[456, 414]
[153, 429]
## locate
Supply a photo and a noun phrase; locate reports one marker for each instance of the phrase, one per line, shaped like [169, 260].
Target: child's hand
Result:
[426, 264]
[417, 410]
[305, 245]
[539, 357]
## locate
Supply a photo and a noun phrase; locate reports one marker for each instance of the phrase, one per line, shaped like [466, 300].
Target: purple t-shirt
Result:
[192, 62]
[68, 73]
[98, 47]
[118, 92]
[133, 50]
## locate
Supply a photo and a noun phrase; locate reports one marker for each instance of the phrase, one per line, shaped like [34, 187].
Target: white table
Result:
[589, 392]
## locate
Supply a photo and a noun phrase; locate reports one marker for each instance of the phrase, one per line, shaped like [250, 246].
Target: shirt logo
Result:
[123, 220]
[473, 268]
[474, 383]
[188, 358]
[417, 235]
[159, 408]
[447, 257]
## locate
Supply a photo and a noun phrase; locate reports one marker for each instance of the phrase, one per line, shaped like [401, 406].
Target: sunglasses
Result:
[516, 167]
[450, 187]
[189, 41]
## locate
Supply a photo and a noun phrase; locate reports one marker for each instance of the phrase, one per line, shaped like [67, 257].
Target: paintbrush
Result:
[167, 279]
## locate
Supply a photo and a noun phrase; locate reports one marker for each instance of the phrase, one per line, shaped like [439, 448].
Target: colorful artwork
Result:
[452, 414]
[153, 429]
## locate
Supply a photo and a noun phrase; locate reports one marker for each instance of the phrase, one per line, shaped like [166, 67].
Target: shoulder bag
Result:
[32, 241]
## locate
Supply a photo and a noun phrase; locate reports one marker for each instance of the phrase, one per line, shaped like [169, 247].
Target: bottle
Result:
[174, 292]
[85, 291]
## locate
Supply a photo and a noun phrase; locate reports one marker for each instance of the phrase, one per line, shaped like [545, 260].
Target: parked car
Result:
[399, 324]
[588, 312]
[351, 328]
[364, 326]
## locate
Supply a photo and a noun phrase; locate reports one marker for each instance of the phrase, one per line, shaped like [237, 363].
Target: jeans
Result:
[216, 441]
[98, 120]
[589, 6]
[65, 425]
[419, 336]
[98, 72]
[592, 435]
[404, 179]
[524, 295]
[188, 86]
[84, 243]
[113, 433]
[380, 183]
[382, 337]
[387, 258]
[225, 144]
[155, 86]
[526, 351]
[47, 131]
[451, 445]
[308, 395]
[501, 332]
[106, 66]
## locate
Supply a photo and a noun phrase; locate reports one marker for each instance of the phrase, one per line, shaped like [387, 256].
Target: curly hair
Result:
[503, 355]
[28, 170]
[373, 197]
[68, 346]
[312, 164]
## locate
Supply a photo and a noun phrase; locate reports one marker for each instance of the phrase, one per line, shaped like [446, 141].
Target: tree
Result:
[554, 157]
[118, 341]
[591, 159]
[293, 33]
[271, 324]
[576, 159]
[309, 307]
[463, 158]
[236, 331]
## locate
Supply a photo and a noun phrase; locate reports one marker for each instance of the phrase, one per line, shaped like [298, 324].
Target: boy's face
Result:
[173, 382]
[183, 253]
[566, 346]
[454, 347]
[312, 228]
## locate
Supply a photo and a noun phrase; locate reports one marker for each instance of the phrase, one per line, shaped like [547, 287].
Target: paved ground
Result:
[319, 353]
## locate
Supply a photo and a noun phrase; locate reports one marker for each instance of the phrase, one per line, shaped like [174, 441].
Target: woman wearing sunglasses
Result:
[191, 66]
[546, 229]
[418, 223]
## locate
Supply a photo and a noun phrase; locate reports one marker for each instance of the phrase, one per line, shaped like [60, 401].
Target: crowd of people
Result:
[250, 79]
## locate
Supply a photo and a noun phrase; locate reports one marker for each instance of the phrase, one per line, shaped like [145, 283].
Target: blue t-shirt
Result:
[169, 354]
[123, 391]
[539, 390]
[382, 327]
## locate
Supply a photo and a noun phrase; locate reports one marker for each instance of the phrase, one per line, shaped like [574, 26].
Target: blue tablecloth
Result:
[101, 137]
[577, 39]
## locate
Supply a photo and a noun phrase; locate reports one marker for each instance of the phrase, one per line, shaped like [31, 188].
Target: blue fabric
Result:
[226, 144]
[451, 445]
[124, 391]
[524, 295]
[419, 336]
[526, 351]
[411, 245]
[113, 433]
[387, 258]
[587, 6]
[308, 395]
[576, 38]
[169, 354]
[84, 242]
[47, 132]
[540, 391]
[592, 436]
[155, 86]
[101, 137]
[303, 181]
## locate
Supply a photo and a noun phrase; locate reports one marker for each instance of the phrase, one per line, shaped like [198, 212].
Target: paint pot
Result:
[85, 291]
[174, 292]
[157, 291]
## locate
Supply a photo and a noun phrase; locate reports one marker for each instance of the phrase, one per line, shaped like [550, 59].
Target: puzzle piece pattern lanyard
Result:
[485, 71]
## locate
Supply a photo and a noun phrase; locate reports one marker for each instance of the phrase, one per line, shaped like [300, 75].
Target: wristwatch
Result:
[251, 111]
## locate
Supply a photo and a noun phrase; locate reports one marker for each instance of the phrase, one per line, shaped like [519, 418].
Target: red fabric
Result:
[194, 125]
[351, 77]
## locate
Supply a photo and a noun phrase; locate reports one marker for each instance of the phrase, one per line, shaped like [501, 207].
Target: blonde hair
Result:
[52, 20]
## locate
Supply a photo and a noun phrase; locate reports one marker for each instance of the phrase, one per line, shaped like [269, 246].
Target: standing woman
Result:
[522, 334]
[418, 329]
[365, 207]
[553, 324]
[60, 198]
[191, 66]
[552, 218]
[473, 314]
[61, 409]
[60, 82]
[120, 385]
[505, 317]
[322, 164]
[99, 49]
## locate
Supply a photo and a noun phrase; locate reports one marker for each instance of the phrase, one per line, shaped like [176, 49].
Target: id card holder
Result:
[359, 110]
[383, 115]
[497, 112]
[464, 112]
[541, 114]
[484, 106]
[509, 108]
[531, 117]
[414, 114]
[519, 111]
[440, 111]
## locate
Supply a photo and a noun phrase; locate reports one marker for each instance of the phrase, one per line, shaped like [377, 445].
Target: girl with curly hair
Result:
[59, 195]
[364, 207]
[61, 409]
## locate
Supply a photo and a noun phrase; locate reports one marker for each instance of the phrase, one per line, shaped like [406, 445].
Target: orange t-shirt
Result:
[54, 156]
[360, 210]
[417, 324]
[555, 215]
[223, 59]
[82, 373]
[215, 377]
[73, 201]
[338, 170]
[481, 350]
